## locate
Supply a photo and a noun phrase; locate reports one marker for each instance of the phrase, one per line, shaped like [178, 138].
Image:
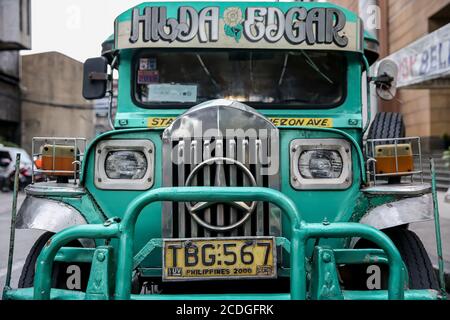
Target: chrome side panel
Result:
[47, 215]
[399, 213]
[411, 190]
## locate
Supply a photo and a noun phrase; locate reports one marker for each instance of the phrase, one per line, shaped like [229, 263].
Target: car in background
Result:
[7, 168]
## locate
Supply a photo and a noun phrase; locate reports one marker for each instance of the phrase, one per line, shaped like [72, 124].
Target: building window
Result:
[28, 17]
[439, 19]
[21, 15]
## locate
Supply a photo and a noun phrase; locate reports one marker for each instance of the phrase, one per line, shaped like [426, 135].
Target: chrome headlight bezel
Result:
[343, 147]
[103, 182]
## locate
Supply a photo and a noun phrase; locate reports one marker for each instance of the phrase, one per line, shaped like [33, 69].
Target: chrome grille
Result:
[254, 153]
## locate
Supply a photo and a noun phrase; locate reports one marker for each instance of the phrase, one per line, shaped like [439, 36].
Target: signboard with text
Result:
[426, 62]
[232, 25]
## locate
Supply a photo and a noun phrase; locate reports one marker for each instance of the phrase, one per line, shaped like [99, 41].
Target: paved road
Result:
[26, 238]
[425, 230]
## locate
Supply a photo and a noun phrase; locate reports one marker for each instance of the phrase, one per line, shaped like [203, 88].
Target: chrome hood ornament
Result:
[214, 118]
[220, 181]
[221, 143]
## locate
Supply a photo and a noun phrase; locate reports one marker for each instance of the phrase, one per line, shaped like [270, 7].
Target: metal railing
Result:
[371, 162]
[79, 145]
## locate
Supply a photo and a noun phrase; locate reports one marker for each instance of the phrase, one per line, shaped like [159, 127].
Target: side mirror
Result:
[386, 80]
[95, 78]
[4, 162]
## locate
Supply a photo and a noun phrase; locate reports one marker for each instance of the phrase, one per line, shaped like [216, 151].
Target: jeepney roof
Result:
[239, 25]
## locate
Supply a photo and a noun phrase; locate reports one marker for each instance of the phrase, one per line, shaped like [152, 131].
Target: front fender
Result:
[47, 215]
[406, 211]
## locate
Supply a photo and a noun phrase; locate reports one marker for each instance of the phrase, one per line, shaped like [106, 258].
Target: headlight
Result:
[130, 165]
[321, 164]
[124, 165]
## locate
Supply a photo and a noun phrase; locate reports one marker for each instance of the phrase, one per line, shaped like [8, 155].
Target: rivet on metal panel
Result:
[326, 257]
[101, 256]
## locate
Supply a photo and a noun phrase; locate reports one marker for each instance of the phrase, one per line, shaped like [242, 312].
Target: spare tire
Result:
[387, 125]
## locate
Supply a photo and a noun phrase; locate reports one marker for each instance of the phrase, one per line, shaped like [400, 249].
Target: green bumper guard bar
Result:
[102, 286]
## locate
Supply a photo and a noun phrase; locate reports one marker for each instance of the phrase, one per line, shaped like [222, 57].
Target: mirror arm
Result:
[383, 80]
[99, 76]
[114, 63]
[369, 104]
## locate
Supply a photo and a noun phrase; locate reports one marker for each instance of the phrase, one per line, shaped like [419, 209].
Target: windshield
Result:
[314, 79]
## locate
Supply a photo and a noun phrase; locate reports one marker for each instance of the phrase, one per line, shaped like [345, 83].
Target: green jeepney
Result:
[246, 160]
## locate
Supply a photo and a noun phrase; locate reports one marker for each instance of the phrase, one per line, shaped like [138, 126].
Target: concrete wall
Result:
[9, 96]
[350, 4]
[9, 86]
[52, 98]
[15, 24]
[15, 34]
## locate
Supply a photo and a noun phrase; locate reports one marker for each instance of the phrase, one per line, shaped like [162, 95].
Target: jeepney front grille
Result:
[177, 221]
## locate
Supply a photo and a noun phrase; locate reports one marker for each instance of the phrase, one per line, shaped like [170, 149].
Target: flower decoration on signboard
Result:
[233, 19]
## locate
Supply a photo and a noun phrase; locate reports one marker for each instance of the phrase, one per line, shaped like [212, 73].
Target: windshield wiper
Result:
[206, 70]
[315, 67]
[283, 72]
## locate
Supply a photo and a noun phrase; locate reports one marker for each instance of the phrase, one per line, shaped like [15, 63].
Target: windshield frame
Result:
[257, 105]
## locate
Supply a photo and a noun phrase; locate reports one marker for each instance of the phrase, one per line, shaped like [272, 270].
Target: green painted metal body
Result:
[131, 123]
[125, 230]
[136, 239]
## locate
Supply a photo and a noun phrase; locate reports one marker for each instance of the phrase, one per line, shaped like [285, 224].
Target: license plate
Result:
[219, 259]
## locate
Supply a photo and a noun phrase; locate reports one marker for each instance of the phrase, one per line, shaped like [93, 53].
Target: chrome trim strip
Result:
[414, 189]
[167, 212]
[207, 181]
[181, 178]
[245, 160]
[194, 162]
[219, 181]
[260, 183]
[49, 189]
[233, 182]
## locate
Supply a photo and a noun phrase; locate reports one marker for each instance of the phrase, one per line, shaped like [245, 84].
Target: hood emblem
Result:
[220, 181]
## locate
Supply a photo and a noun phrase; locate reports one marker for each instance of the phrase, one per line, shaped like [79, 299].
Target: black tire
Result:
[59, 276]
[420, 269]
[27, 276]
[388, 125]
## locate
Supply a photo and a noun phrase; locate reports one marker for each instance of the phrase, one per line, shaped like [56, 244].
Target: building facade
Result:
[426, 108]
[15, 35]
[52, 101]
